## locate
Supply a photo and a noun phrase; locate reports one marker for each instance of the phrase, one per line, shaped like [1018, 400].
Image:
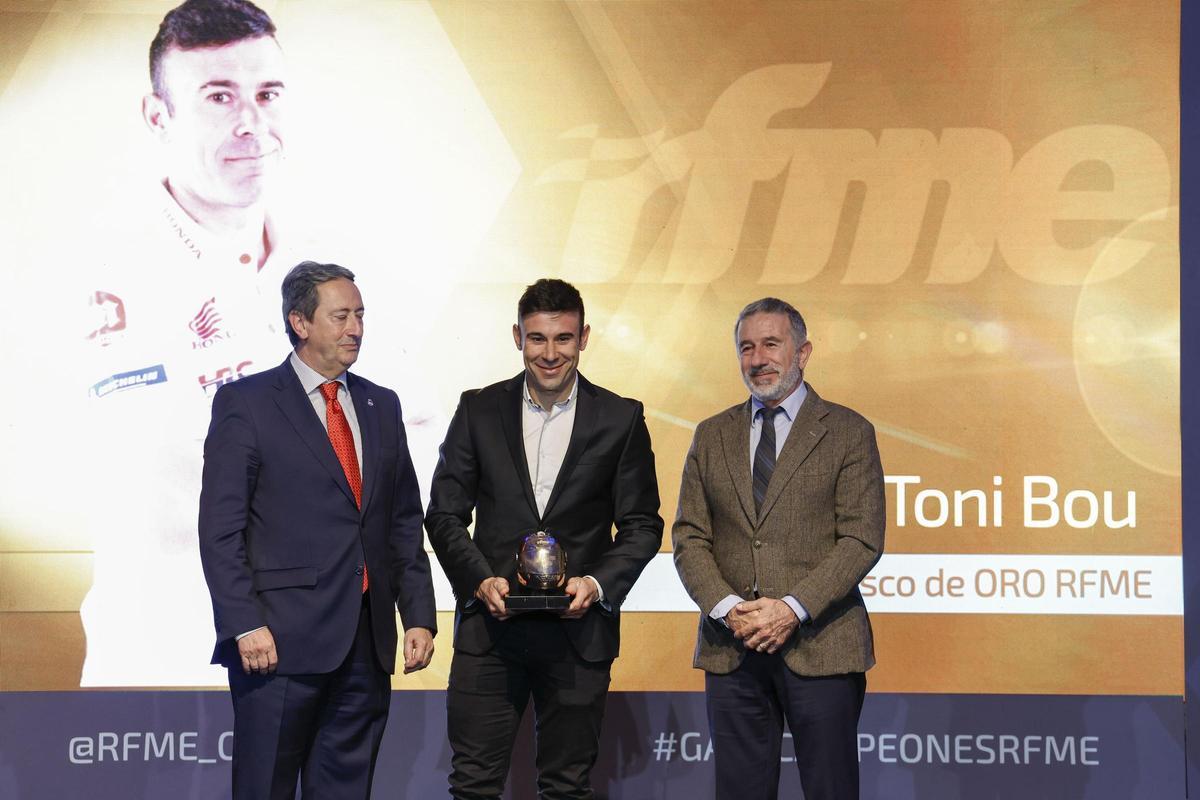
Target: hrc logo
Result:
[223, 376]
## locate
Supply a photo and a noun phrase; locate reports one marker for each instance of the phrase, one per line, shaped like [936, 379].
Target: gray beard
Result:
[782, 388]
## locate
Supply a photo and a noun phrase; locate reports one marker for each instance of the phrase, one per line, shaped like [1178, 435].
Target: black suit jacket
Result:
[281, 539]
[607, 478]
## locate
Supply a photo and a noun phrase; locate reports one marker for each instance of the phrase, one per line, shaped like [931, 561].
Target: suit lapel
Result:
[298, 410]
[586, 415]
[807, 431]
[735, 441]
[510, 420]
[368, 428]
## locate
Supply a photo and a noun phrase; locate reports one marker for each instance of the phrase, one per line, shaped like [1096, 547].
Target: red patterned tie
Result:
[343, 445]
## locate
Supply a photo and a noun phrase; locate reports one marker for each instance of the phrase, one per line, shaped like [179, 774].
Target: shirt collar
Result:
[310, 379]
[200, 243]
[563, 404]
[790, 405]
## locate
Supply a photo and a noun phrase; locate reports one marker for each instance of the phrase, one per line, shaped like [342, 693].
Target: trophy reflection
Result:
[541, 575]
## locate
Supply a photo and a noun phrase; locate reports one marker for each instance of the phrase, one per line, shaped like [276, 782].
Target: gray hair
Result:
[773, 305]
[300, 291]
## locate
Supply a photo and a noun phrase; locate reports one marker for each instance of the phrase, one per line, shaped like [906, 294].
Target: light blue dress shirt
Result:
[783, 426]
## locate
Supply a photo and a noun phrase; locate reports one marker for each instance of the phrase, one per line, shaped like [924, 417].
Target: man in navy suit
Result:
[310, 536]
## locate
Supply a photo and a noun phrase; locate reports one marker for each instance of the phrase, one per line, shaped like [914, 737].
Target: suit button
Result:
[757, 543]
[358, 570]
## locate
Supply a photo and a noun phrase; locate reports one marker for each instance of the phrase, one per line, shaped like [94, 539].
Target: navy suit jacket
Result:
[282, 541]
[607, 478]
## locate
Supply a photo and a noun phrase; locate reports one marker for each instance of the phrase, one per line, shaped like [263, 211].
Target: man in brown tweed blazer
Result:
[781, 514]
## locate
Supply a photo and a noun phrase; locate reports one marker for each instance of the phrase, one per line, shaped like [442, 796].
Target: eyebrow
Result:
[222, 83]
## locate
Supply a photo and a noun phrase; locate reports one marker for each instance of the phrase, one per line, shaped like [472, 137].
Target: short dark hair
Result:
[773, 305]
[550, 294]
[300, 291]
[204, 23]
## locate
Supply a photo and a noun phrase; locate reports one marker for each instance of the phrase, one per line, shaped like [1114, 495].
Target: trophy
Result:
[541, 575]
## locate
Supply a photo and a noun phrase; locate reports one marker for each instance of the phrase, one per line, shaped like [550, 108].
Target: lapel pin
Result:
[370, 402]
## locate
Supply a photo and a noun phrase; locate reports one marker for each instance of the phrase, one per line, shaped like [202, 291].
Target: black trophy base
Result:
[517, 603]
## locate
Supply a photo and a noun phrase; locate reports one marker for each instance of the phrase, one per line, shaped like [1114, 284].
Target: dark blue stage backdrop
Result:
[178, 744]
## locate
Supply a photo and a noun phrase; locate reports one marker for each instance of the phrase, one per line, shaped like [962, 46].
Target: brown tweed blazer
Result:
[820, 531]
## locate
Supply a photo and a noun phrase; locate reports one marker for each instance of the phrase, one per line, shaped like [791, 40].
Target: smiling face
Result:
[221, 121]
[550, 342]
[772, 364]
[329, 342]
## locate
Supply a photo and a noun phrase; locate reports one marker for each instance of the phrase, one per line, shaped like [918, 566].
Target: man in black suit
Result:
[544, 451]
[310, 537]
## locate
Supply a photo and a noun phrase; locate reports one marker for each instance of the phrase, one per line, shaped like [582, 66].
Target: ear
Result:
[156, 115]
[583, 336]
[517, 336]
[299, 324]
[802, 356]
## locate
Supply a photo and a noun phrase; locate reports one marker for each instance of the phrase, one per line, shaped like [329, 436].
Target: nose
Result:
[550, 355]
[354, 326]
[251, 119]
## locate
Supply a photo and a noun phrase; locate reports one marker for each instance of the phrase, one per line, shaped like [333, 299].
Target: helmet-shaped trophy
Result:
[541, 575]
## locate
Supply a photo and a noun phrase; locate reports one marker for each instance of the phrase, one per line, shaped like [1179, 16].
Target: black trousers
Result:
[488, 695]
[324, 729]
[746, 710]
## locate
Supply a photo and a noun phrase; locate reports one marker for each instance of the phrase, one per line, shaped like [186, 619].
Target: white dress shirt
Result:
[546, 435]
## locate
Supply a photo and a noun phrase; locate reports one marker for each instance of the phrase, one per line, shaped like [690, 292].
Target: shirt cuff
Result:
[241, 636]
[600, 590]
[724, 607]
[797, 609]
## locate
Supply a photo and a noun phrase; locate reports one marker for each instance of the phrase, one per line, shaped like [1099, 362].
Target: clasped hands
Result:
[763, 625]
[582, 591]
